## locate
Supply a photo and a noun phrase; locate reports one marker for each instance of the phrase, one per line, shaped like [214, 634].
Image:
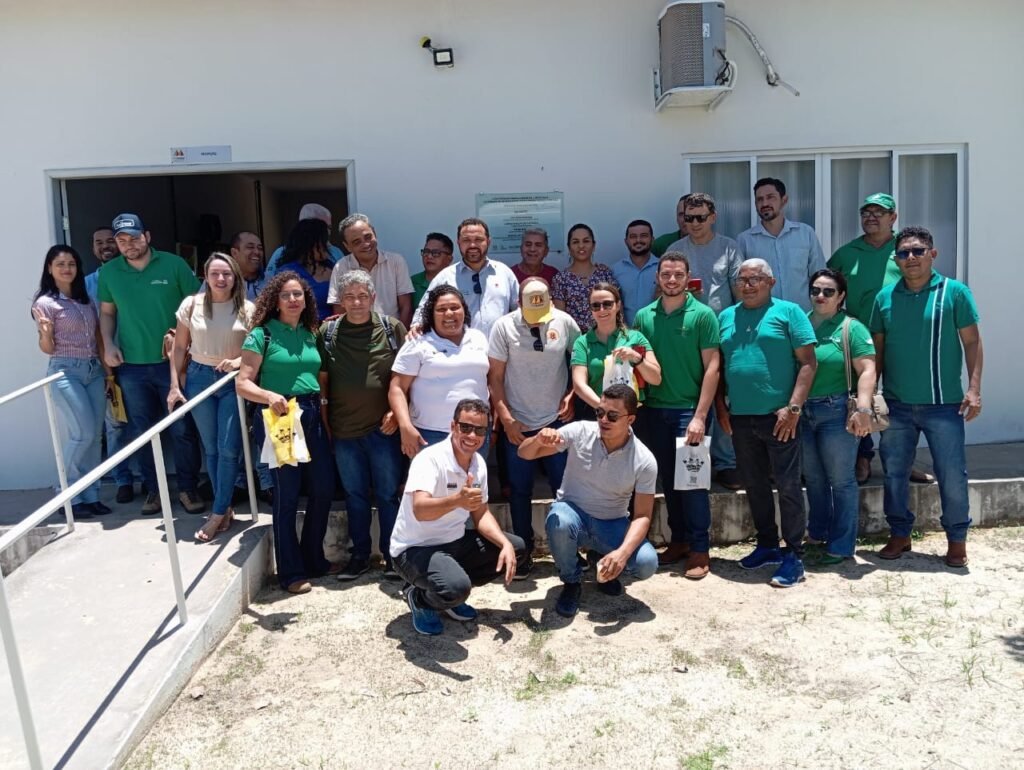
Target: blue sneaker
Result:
[760, 557]
[424, 619]
[568, 603]
[462, 612]
[790, 573]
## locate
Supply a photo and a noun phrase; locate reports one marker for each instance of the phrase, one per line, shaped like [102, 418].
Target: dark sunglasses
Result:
[828, 291]
[606, 304]
[601, 412]
[476, 284]
[917, 251]
[477, 430]
[538, 341]
[696, 218]
[433, 252]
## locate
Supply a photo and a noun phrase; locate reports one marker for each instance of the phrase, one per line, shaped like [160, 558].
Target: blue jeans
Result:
[218, 424]
[437, 436]
[829, 453]
[302, 558]
[689, 513]
[723, 453]
[372, 458]
[570, 528]
[943, 429]
[266, 481]
[144, 387]
[80, 401]
[520, 482]
[118, 435]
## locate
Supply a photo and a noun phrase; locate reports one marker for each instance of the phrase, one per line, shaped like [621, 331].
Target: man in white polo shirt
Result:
[430, 545]
[389, 270]
[606, 465]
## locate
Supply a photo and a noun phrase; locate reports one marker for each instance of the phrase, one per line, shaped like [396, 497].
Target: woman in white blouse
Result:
[445, 364]
[211, 328]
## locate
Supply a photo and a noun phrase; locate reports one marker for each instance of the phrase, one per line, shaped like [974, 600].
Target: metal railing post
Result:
[247, 456]
[169, 531]
[28, 726]
[58, 455]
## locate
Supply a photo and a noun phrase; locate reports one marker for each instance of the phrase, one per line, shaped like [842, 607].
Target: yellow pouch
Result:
[280, 431]
[117, 404]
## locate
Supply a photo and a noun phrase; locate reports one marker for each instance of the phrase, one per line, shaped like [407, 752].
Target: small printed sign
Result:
[509, 214]
[211, 153]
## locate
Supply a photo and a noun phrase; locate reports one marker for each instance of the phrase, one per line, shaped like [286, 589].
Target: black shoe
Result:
[390, 573]
[582, 561]
[611, 588]
[568, 603]
[524, 568]
[125, 494]
[100, 509]
[356, 566]
[82, 511]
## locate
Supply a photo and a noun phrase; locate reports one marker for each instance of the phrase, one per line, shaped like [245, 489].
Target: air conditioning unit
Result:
[693, 69]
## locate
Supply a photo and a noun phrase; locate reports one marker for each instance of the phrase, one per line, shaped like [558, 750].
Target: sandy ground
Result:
[878, 664]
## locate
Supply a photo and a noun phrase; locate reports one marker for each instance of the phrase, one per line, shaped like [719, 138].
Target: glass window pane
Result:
[854, 179]
[729, 184]
[927, 197]
[798, 176]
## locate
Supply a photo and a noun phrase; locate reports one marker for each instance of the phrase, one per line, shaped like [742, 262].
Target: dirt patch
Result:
[878, 664]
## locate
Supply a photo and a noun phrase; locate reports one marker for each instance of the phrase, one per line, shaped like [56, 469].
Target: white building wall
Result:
[544, 96]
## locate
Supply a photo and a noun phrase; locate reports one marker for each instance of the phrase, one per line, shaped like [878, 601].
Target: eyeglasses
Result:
[434, 253]
[606, 304]
[696, 218]
[601, 413]
[467, 427]
[292, 295]
[752, 280]
[538, 342]
[476, 284]
[917, 251]
[872, 214]
[828, 291]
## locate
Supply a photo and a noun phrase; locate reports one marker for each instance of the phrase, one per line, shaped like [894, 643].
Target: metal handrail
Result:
[151, 436]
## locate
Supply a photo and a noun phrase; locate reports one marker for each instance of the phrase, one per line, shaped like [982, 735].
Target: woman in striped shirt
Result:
[68, 327]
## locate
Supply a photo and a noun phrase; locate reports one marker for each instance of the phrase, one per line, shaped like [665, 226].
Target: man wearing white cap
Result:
[531, 389]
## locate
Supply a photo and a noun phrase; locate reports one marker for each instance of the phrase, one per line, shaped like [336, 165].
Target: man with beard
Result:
[790, 248]
[637, 273]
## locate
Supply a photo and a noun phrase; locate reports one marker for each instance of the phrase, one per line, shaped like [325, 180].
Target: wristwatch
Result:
[863, 410]
[795, 408]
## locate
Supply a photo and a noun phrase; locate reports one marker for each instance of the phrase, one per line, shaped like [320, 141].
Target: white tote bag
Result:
[693, 464]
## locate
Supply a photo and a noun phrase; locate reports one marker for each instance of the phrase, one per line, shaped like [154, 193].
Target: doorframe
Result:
[56, 178]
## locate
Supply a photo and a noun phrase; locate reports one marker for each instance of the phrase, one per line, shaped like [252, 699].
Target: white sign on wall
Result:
[508, 214]
[211, 153]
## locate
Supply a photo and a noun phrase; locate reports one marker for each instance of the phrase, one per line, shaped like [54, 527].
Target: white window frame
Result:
[823, 157]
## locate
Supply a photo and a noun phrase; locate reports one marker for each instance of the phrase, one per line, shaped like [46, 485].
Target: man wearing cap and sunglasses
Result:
[531, 389]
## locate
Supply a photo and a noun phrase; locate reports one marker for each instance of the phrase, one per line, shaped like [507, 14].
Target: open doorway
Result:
[194, 211]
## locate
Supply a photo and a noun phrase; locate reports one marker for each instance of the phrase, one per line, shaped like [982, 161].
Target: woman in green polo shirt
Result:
[608, 337]
[280, 361]
[829, 448]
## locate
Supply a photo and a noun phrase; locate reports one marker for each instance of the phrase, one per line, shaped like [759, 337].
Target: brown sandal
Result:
[202, 536]
[227, 521]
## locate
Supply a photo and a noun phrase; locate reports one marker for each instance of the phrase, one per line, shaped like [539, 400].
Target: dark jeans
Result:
[377, 459]
[446, 573]
[689, 513]
[759, 454]
[144, 387]
[520, 481]
[299, 559]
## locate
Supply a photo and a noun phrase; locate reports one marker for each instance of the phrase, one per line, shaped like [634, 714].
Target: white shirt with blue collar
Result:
[794, 255]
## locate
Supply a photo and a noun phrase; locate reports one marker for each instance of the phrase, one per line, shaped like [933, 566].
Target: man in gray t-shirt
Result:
[529, 380]
[606, 464]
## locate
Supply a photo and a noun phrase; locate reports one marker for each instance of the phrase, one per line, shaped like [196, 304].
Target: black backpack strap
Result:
[389, 331]
[332, 327]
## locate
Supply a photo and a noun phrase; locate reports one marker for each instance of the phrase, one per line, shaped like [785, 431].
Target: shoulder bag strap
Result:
[846, 354]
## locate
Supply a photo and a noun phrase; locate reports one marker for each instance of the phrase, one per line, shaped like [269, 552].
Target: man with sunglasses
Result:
[430, 545]
[606, 465]
[684, 336]
[714, 262]
[436, 255]
[531, 389]
[925, 327]
[664, 242]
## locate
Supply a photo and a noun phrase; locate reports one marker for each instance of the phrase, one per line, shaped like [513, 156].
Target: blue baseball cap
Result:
[128, 223]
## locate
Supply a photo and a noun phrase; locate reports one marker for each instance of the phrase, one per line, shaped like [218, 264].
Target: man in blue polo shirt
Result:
[925, 326]
[637, 273]
[790, 248]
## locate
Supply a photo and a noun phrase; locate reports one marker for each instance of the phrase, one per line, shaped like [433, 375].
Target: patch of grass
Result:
[973, 637]
[948, 602]
[681, 657]
[537, 641]
[705, 760]
[536, 686]
[244, 665]
[605, 728]
[735, 669]
[967, 665]
[247, 628]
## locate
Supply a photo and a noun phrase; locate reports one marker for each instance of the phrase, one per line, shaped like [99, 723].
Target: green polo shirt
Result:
[678, 339]
[758, 348]
[590, 352]
[358, 365]
[420, 282]
[662, 242]
[830, 376]
[923, 354]
[290, 362]
[146, 301]
[866, 270]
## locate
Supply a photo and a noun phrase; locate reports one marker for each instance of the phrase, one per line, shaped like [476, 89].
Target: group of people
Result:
[597, 375]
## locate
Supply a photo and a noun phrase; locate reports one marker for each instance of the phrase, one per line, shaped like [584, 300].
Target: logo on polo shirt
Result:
[159, 282]
[552, 335]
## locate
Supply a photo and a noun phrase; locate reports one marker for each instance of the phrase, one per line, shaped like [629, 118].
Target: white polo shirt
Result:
[435, 471]
[390, 278]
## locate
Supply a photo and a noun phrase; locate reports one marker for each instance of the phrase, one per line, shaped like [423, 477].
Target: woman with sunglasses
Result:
[68, 328]
[281, 361]
[570, 291]
[608, 338]
[829, 448]
[432, 373]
